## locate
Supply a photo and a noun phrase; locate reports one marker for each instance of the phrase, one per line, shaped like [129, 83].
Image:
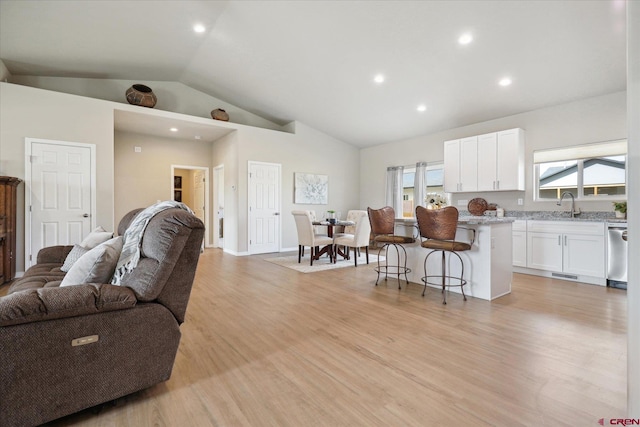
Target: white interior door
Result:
[198, 193]
[264, 207]
[60, 201]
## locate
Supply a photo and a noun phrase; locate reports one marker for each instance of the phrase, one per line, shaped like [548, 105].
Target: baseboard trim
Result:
[590, 280]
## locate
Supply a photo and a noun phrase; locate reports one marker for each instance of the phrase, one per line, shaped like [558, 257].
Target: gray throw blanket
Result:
[130, 254]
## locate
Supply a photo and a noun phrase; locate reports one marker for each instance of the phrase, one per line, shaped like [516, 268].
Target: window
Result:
[434, 183]
[589, 172]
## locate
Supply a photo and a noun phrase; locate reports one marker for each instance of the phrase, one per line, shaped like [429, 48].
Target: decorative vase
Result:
[142, 95]
[621, 215]
[220, 114]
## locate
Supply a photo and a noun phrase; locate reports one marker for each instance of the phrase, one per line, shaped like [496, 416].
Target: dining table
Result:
[330, 232]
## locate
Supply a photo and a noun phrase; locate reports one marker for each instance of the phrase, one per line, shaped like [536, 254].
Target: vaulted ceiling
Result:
[315, 61]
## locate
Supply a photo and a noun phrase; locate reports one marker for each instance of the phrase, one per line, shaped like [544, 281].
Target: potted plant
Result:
[621, 209]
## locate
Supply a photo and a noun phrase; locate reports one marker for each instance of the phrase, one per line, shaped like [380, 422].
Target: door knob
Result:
[86, 215]
[277, 213]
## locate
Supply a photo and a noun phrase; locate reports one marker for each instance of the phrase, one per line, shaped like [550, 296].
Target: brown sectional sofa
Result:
[134, 327]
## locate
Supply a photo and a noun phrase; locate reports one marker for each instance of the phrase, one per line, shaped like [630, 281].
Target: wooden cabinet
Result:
[574, 248]
[501, 161]
[461, 165]
[519, 243]
[8, 210]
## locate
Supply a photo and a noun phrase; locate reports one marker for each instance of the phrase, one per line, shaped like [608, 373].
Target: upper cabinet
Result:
[490, 162]
[461, 165]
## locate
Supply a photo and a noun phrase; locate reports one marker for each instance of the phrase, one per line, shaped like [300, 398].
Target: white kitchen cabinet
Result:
[519, 243]
[544, 251]
[568, 247]
[584, 254]
[461, 165]
[501, 161]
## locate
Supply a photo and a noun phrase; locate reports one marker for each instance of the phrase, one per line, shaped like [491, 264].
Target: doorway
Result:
[264, 207]
[218, 202]
[190, 185]
[60, 188]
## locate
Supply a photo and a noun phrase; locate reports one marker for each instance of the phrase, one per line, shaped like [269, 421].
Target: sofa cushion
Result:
[54, 303]
[96, 266]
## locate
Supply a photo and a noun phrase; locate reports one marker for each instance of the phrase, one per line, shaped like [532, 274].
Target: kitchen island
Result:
[487, 266]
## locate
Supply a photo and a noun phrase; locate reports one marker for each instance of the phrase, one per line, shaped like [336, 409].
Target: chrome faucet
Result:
[574, 212]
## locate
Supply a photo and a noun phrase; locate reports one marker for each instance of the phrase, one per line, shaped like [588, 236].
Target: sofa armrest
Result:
[53, 254]
[35, 305]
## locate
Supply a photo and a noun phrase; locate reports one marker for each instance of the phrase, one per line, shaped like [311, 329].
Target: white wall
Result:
[31, 112]
[28, 112]
[225, 152]
[308, 151]
[143, 178]
[5, 75]
[596, 119]
[633, 292]
[172, 96]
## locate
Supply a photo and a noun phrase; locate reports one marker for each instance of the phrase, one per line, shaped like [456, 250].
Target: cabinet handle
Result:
[559, 243]
[498, 185]
[565, 240]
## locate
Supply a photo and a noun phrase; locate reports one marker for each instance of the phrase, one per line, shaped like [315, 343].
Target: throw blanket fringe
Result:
[130, 254]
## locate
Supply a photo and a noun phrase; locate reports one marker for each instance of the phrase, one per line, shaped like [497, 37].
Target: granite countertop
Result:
[511, 216]
[472, 220]
[466, 219]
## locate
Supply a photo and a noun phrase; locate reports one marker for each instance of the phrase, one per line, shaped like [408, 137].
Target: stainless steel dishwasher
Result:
[617, 255]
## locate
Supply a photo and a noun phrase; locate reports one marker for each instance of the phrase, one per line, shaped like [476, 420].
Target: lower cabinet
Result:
[569, 247]
[519, 243]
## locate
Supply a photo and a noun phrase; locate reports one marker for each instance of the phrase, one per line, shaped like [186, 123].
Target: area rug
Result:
[322, 264]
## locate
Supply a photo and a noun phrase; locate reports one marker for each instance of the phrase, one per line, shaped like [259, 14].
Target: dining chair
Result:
[383, 230]
[437, 229]
[355, 236]
[308, 237]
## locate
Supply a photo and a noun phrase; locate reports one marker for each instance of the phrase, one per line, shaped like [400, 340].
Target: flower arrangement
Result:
[435, 200]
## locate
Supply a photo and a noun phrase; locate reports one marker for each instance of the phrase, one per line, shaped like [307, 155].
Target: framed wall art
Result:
[311, 189]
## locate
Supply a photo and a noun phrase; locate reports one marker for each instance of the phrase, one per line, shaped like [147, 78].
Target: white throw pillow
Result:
[73, 256]
[97, 236]
[96, 266]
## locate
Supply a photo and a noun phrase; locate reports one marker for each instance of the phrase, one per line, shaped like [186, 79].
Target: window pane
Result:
[556, 177]
[600, 177]
[434, 179]
[605, 176]
[407, 192]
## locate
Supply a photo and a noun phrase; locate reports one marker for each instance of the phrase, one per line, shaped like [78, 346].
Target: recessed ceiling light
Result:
[173, 129]
[466, 38]
[197, 137]
[199, 28]
[505, 81]
[379, 78]
[421, 108]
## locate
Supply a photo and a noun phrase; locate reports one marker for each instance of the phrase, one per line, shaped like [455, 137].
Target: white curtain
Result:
[394, 189]
[420, 186]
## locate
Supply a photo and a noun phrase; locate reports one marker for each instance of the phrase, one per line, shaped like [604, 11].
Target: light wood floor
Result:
[263, 345]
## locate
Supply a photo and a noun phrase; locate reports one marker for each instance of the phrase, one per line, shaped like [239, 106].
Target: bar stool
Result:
[383, 230]
[437, 228]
